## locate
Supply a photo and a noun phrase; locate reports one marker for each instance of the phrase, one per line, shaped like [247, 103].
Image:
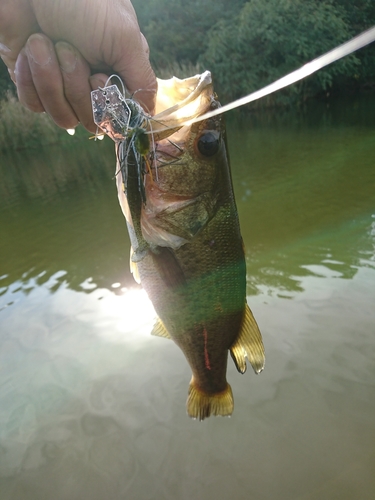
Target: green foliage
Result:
[360, 15]
[270, 38]
[246, 44]
[20, 128]
[249, 44]
[176, 30]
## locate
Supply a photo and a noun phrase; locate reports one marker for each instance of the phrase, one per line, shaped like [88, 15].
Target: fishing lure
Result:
[125, 122]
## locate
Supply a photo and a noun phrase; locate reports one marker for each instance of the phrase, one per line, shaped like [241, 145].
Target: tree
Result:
[177, 30]
[270, 38]
[360, 15]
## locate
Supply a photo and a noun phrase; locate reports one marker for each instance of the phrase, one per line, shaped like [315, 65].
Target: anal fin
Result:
[248, 344]
[201, 405]
[159, 330]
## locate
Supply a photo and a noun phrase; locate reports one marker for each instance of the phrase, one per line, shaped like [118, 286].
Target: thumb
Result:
[138, 75]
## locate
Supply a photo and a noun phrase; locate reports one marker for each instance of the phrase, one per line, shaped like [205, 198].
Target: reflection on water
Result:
[69, 222]
[92, 406]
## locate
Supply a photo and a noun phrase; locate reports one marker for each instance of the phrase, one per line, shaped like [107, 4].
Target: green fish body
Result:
[194, 270]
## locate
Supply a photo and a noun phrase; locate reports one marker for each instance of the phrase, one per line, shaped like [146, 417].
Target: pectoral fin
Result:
[168, 267]
[248, 344]
[159, 330]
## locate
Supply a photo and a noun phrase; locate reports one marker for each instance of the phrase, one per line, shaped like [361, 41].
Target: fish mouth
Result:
[179, 102]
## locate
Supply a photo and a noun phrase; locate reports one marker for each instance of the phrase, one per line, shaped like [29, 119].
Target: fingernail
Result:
[67, 57]
[39, 49]
[4, 49]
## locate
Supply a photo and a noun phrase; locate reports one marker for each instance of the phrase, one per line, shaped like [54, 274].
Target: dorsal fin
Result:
[248, 344]
[159, 330]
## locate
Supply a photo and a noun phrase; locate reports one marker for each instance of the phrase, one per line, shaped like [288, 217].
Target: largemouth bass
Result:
[187, 250]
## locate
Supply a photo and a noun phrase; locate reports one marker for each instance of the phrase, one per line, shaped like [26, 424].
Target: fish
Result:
[186, 246]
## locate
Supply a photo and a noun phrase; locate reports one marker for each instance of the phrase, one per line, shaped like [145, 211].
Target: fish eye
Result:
[208, 143]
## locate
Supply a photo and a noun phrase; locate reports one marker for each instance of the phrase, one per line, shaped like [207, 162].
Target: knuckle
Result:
[31, 102]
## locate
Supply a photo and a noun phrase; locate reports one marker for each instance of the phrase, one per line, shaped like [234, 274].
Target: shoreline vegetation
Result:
[245, 44]
[23, 129]
[248, 44]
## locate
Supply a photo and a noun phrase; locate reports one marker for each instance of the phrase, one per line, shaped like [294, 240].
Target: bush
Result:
[176, 30]
[270, 38]
[21, 128]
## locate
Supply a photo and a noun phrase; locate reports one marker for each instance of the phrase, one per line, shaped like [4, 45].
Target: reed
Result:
[23, 129]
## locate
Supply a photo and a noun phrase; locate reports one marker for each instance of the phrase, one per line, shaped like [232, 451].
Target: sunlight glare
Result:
[131, 313]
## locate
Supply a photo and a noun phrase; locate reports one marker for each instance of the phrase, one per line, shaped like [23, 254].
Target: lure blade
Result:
[110, 111]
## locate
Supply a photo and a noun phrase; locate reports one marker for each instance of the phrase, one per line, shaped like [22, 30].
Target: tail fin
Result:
[201, 405]
[248, 344]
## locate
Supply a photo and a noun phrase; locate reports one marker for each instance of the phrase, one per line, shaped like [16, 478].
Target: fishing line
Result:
[320, 62]
[308, 69]
[120, 80]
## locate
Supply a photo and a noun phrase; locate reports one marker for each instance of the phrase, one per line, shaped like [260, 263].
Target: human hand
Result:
[51, 47]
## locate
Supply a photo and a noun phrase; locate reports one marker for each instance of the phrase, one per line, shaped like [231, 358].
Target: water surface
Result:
[92, 406]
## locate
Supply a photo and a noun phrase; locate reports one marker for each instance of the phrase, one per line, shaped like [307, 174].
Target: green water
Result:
[93, 407]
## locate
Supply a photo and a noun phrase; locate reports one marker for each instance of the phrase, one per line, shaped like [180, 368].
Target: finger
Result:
[75, 74]
[23, 79]
[98, 80]
[135, 69]
[48, 80]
